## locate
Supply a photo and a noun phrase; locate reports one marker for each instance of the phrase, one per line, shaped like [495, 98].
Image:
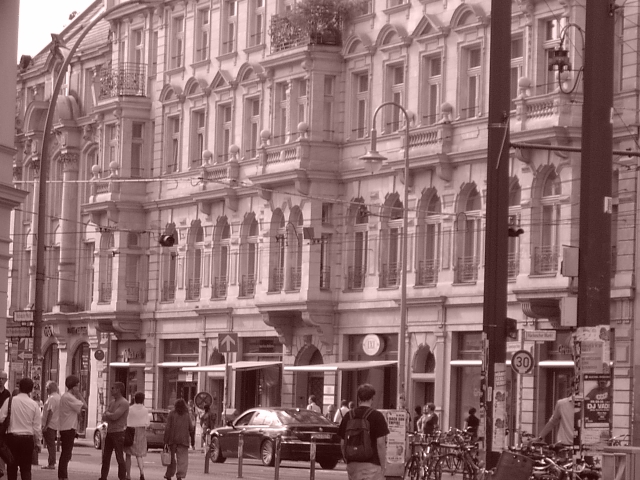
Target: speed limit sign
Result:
[522, 362]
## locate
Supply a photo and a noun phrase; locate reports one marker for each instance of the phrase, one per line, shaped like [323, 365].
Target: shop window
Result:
[466, 370]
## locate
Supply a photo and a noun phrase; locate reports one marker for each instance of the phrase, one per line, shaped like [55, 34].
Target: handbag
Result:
[5, 452]
[165, 456]
[129, 435]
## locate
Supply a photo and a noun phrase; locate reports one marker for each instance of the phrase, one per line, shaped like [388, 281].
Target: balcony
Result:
[318, 25]
[248, 285]
[325, 279]
[390, 275]
[219, 287]
[427, 273]
[106, 291]
[545, 260]
[355, 278]
[133, 292]
[193, 289]
[466, 269]
[168, 292]
[126, 79]
[276, 282]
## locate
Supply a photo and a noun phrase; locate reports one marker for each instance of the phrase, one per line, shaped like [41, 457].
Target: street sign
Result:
[24, 317]
[227, 342]
[522, 362]
[540, 335]
[25, 349]
[19, 332]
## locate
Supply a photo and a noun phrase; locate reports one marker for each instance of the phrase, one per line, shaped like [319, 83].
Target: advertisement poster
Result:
[396, 441]
[499, 408]
[597, 400]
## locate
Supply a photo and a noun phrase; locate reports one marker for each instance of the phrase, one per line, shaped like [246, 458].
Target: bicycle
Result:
[465, 460]
[425, 452]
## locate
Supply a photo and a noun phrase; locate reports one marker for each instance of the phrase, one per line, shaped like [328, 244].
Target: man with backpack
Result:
[363, 431]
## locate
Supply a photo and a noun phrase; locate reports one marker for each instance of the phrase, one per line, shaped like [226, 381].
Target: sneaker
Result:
[48, 467]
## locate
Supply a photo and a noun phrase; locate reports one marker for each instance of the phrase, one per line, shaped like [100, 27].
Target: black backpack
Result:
[357, 438]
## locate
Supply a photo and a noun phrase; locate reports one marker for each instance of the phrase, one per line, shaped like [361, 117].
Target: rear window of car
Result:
[295, 416]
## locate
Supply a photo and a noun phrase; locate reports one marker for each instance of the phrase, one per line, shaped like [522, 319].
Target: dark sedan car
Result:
[261, 426]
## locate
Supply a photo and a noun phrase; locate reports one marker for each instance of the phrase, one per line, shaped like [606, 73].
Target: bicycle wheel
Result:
[412, 469]
[448, 465]
[433, 469]
[454, 462]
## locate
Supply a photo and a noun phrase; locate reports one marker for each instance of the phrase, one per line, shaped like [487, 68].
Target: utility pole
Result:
[495, 276]
[594, 284]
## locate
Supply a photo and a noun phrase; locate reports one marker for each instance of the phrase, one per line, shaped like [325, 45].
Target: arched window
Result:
[81, 368]
[50, 366]
[294, 249]
[513, 253]
[107, 245]
[547, 225]
[428, 239]
[278, 236]
[169, 267]
[195, 249]
[468, 228]
[359, 245]
[249, 255]
[391, 242]
[221, 246]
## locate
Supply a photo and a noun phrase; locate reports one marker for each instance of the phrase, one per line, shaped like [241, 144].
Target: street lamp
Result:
[373, 162]
[44, 170]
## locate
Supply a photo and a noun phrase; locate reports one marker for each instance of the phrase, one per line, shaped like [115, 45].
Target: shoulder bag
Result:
[5, 452]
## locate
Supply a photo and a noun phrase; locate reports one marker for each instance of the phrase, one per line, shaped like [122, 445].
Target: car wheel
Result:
[328, 464]
[267, 454]
[215, 454]
[97, 440]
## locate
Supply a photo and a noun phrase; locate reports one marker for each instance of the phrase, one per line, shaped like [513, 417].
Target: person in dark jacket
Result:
[177, 436]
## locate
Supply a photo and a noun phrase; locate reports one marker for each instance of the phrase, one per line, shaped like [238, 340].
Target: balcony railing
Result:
[133, 292]
[277, 280]
[390, 275]
[427, 273]
[219, 287]
[513, 265]
[545, 260]
[126, 79]
[355, 278]
[248, 285]
[325, 278]
[105, 292]
[193, 289]
[466, 269]
[168, 292]
[295, 281]
[323, 26]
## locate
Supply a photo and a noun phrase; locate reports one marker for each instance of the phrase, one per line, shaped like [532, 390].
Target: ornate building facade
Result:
[206, 179]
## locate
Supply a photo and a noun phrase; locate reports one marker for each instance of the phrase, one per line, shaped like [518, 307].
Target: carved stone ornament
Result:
[17, 173]
[69, 159]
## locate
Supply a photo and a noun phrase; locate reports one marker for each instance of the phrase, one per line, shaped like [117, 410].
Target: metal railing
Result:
[295, 282]
[513, 265]
[277, 280]
[125, 79]
[219, 289]
[193, 289]
[325, 278]
[427, 273]
[133, 292]
[390, 275]
[106, 291]
[545, 259]
[168, 292]
[356, 278]
[247, 285]
[467, 269]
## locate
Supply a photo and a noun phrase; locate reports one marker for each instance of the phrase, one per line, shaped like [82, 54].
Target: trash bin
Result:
[513, 466]
[621, 463]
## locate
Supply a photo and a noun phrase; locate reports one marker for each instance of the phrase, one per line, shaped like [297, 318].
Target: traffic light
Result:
[511, 328]
[167, 240]
[515, 232]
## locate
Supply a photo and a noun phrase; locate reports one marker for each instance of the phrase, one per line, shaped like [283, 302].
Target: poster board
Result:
[397, 421]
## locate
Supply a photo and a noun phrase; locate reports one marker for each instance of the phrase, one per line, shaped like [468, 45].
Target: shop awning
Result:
[177, 364]
[466, 363]
[126, 365]
[242, 365]
[334, 367]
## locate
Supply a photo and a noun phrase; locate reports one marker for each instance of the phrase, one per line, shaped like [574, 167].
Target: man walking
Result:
[25, 429]
[51, 423]
[71, 404]
[373, 467]
[116, 418]
[4, 395]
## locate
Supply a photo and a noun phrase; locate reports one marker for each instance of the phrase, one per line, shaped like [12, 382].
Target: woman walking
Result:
[139, 419]
[177, 436]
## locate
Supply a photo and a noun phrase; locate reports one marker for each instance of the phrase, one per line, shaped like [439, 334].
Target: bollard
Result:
[207, 457]
[240, 453]
[276, 470]
[312, 457]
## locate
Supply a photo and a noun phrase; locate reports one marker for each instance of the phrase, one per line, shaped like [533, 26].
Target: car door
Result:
[255, 432]
[229, 435]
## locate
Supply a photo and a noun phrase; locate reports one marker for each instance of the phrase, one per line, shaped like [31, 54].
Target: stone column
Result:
[68, 239]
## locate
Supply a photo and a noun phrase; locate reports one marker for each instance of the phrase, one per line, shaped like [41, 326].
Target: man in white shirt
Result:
[71, 404]
[563, 418]
[25, 429]
[342, 411]
[51, 423]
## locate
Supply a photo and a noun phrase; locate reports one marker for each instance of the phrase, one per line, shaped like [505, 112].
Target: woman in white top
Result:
[139, 419]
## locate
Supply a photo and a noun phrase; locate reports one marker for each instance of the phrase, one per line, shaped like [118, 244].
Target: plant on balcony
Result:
[319, 22]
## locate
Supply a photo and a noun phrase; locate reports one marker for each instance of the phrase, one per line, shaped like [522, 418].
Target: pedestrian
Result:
[352, 405]
[71, 404]
[416, 418]
[193, 417]
[138, 418]
[4, 395]
[116, 418]
[563, 418]
[51, 423]
[342, 411]
[208, 423]
[472, 423]
[24, 431]
[429, 419]
[313, 405]
[374, 467]
[177, 436]
[331, 412]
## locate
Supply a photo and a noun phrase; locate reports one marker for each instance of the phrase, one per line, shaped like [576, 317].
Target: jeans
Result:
[22, 448]
[49, 435]
[113, 441]
[67, 438]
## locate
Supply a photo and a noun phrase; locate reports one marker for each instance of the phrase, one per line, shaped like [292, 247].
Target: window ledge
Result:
[397, 8]
[167, 301]
[255, 48]
[227, 56]
[217, 299]
[542, 275]
[353, 290]
[191, 300]
[464, 284]
[392, 287]
[364, 18]
[201, 63]
[426, 285]
[174, 71]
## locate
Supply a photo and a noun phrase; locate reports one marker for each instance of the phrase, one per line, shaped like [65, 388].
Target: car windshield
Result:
[294, 416]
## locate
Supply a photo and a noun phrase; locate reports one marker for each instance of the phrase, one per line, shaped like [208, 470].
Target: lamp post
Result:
[44, 172]
[374, 161]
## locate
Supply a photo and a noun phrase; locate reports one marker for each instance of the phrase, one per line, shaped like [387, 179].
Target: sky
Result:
[40, 18]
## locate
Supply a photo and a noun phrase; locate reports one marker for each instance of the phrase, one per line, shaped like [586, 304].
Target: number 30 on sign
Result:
[522, 362]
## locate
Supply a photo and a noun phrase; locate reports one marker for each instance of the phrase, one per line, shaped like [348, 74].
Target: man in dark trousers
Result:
[374, 467]
[4, 395]
[116, 418]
